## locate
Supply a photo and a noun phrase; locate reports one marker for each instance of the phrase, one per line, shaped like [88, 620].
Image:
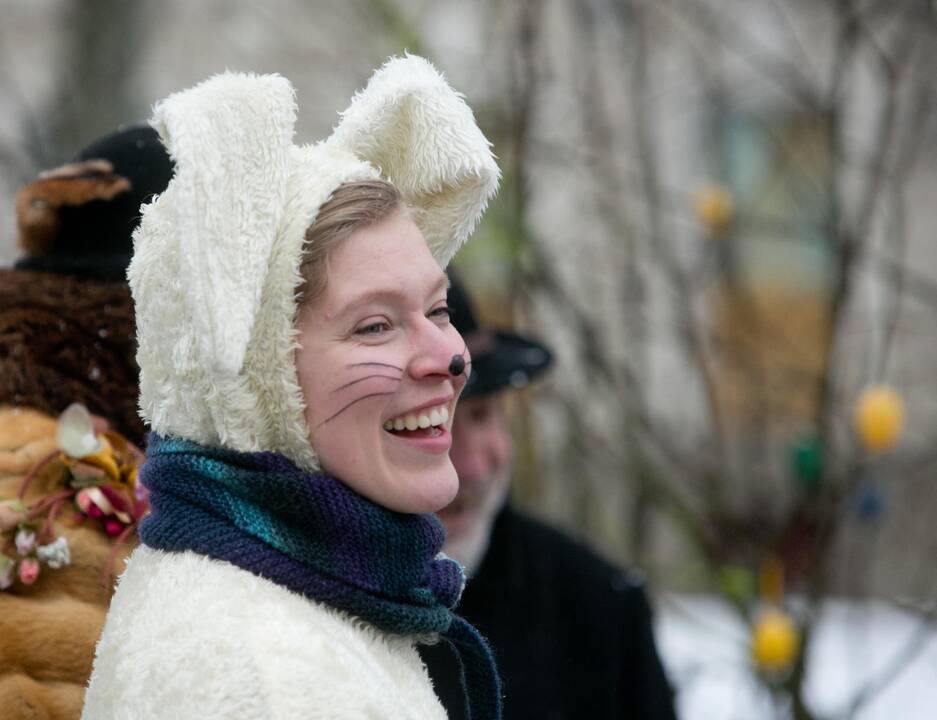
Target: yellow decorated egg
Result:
[879, 418]
[715, 207]
[775, 641]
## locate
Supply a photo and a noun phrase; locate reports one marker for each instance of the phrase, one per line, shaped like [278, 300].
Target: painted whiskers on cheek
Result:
[377, 364]
[390, 373]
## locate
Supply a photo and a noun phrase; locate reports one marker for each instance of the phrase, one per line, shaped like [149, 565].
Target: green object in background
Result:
[807, 461]
[737, 582]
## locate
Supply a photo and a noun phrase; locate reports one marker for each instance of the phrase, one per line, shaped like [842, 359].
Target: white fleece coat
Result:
[192, 637]
[214, 278]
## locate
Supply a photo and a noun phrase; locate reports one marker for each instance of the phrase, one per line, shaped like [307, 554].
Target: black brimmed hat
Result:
[500, 359]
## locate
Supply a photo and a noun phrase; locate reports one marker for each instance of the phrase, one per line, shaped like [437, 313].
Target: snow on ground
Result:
[704, 646]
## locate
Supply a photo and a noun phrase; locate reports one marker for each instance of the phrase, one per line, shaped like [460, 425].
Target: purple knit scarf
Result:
[314, 535]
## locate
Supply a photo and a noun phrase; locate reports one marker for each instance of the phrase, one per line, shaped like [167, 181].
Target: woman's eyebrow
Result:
[387, 295]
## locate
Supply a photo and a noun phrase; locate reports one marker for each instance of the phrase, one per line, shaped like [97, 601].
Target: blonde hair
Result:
[351, 207]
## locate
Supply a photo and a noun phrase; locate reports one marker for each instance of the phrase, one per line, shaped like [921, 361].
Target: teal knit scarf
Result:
[314, 535]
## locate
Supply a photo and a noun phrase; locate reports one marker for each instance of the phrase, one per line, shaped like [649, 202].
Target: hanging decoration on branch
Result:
[775, 641]
[715, 208]
[775, 638]
[738, 583]
[879, 418]
[870, 505]
[807, 462]
[771, 581]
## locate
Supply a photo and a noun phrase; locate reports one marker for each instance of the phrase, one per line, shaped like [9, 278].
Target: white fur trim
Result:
[191, 637]
[231, 149]
[217, 255]
[280, 423]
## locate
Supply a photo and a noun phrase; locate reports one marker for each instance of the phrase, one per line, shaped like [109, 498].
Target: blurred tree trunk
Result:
[96, 92]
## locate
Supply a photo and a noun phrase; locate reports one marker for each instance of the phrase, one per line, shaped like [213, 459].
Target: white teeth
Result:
[435, 417]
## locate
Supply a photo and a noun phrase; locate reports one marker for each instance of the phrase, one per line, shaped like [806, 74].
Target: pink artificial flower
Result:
[83, 500]
[25, 541]
[113, 527]
[29, 571]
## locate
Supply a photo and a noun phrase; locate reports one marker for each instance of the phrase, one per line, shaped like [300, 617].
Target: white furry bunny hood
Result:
[217, 255]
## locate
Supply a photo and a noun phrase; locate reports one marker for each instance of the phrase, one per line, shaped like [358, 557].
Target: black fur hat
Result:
[78, 219]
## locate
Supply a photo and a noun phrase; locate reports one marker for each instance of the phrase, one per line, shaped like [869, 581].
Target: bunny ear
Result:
[422, 137]
[230, 138]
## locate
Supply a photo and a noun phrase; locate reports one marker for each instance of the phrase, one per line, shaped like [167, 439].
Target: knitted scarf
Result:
[314, 535]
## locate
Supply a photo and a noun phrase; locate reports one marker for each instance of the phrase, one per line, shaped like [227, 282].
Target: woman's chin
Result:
[419, 491]
[416, 480]
[405, 487]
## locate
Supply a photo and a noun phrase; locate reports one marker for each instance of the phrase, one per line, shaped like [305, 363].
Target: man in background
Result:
[572, 634]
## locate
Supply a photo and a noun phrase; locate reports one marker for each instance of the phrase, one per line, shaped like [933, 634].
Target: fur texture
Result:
[217, 256]
[38, 204]
[65, 339]
[48, 630]
[420, 134]
[192, 637]
[77, 219]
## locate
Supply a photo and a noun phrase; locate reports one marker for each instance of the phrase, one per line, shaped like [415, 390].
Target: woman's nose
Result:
[435, 350]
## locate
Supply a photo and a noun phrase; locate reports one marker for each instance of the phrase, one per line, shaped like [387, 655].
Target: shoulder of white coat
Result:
[268, 650]
[166, 650]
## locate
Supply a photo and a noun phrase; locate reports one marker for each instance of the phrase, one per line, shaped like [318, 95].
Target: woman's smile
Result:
[424, 427]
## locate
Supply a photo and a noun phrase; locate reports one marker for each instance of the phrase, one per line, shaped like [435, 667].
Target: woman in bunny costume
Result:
[298, 370]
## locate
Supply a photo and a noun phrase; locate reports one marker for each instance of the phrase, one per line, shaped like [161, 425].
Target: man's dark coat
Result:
[571, 633]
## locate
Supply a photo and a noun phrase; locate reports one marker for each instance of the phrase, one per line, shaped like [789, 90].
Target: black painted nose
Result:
[456, 365]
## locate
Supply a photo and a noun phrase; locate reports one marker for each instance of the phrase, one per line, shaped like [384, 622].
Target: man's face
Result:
[482, 455]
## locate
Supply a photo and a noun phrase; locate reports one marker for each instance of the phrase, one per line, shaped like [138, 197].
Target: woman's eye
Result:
[373, 328]
[444, 312]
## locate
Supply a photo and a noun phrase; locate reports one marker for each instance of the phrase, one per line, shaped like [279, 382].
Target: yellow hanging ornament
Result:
[879, 418]
[775, 641]
[715, 208]
[771, 581]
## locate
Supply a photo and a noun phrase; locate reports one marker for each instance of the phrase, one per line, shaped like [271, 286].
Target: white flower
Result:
[56, 554]
[25, 540]
[76, 437]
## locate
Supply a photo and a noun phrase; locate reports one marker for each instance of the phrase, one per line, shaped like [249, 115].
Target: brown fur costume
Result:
[49, 629]
[67, 335]
[63, 340]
